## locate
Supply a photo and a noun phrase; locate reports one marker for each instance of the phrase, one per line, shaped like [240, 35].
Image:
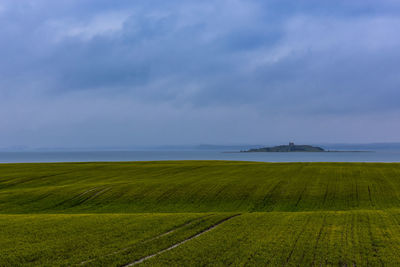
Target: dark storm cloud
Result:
[67, 63]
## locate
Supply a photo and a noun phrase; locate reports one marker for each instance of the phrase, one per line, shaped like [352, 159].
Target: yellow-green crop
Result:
[345, 214]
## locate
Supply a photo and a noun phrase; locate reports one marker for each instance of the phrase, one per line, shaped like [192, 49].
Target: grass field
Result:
[225, 213]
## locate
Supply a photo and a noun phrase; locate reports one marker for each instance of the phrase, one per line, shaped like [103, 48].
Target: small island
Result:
[287, 148]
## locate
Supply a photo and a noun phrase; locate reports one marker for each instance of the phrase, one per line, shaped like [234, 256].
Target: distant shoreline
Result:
[327, 151]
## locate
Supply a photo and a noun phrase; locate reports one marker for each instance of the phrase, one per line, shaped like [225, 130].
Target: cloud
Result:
[101, 24]
[84, 65]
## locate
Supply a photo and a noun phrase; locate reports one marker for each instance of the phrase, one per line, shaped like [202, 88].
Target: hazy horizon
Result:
[220, 147]
[96, 73]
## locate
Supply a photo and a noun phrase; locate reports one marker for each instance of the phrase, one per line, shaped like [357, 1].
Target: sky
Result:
[97, 73]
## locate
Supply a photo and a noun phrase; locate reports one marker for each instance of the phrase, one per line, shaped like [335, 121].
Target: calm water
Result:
[378, 156]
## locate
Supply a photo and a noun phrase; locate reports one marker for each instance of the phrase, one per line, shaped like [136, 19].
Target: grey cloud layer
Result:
[292, 60]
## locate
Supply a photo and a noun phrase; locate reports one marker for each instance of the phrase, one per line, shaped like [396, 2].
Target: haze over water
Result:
[89, 156]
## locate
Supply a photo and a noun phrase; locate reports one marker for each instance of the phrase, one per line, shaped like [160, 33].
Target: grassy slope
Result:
[197, 187]
[318, 213]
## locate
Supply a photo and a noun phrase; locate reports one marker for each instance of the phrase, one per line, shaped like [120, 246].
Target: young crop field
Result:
[185, 213]
[91, 238]
[344, 238]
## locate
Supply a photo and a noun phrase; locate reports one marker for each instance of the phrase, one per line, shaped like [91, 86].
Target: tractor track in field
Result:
[153, 238]
[177, 228]
[182, 242]
[95, 191]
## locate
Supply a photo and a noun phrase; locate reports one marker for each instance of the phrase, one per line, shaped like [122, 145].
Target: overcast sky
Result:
[79, 73]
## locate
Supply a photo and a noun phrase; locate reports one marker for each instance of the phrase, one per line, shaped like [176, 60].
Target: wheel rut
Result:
[182, 242]
[154, 238]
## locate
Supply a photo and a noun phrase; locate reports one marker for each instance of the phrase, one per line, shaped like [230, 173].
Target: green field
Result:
[225, 213]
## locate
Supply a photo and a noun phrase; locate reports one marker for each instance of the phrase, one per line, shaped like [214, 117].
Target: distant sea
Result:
[90, 156]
